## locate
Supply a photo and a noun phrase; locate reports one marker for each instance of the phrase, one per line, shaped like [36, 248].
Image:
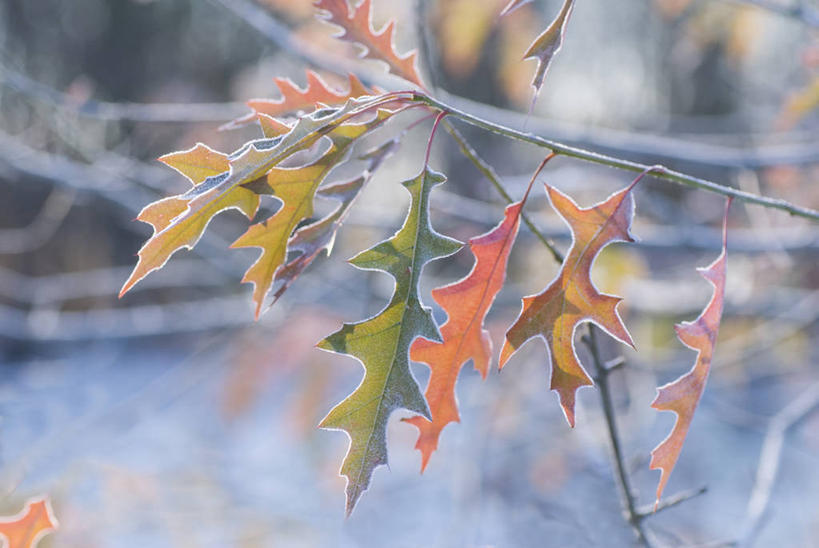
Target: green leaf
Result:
[382, 342]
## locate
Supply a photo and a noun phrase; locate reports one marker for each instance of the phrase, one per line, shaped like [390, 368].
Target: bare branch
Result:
[770, 458]
[42, 228]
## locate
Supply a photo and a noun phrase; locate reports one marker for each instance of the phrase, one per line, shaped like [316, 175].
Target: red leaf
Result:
[357, 27]
[464, 338]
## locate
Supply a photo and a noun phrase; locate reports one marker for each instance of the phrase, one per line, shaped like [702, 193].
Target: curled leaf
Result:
[682, 395]
[546, 46]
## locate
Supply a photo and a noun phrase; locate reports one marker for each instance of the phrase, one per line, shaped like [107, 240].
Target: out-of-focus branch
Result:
[42, 228]
[770, 458]
[610, 141]
[132, 112]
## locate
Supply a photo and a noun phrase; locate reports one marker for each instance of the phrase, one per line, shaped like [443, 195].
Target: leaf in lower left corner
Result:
[29, 526]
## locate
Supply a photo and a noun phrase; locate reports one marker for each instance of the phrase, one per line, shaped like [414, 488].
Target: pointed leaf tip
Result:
[382, 343]
[571, 298]
[683, 395]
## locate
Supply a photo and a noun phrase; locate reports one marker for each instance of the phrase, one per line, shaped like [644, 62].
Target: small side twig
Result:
[669, 502]
[632, 515]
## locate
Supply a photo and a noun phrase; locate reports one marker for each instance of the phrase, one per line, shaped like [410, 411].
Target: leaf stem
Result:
[493, 177]
[594, 157]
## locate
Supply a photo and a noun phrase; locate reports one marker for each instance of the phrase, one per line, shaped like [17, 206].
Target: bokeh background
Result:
[170, 418]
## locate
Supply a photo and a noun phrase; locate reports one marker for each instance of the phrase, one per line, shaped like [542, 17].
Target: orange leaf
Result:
[197, 164]
[357, 27]
[572, 298]
[294, 99]
[25, 529]
[464, 338]
[683, 395]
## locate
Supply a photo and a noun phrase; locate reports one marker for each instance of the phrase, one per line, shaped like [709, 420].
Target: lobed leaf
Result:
[463, 336]
[294, 99]
[546, 46]
[356, 25]
[222, 182]
[382, 342]
[682, 395]
[295, 188]
[25, 529]
[571, 298]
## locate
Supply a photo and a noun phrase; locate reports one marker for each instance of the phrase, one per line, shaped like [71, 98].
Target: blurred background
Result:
[170, 418]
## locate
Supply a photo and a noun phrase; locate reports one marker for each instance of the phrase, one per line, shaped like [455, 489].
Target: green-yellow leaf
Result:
[382, 342]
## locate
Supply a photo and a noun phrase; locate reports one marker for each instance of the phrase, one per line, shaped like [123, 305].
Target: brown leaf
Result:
[546, 46]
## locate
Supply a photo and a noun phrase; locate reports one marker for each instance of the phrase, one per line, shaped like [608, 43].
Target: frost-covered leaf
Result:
[572, 298]
[382, 342]
[356, 25]
[463, 336]
[294, 99]
[682, 395]
[546, 46]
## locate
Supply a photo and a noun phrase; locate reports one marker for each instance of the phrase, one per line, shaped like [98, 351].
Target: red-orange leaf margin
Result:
[572, 298]
[463, 336]
[26, 528]
[294, 99]
[357, 27]
[682, 395]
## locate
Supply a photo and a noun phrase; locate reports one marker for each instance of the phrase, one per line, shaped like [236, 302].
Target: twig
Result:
[636, 145]
[490, 174]
[770, 457]
[669, 502]
[573, 152]
[632, 515]
[131, 112]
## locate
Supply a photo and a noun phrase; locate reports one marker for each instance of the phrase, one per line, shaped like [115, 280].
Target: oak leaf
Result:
[309, 241]
[25, 529]
[463, 336]
[546, 46]
[295, 188]
[222, 182]
[682, 395]
[294, 99]
[571, 298]
[382, 342]
[356, 25]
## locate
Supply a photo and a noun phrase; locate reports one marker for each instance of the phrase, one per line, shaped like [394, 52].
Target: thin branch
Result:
[670, 502]
[132, 112]
[51, 215]
[493, 177]
[656, 146]
[658, 172]
[632, 515]
[770, 458]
